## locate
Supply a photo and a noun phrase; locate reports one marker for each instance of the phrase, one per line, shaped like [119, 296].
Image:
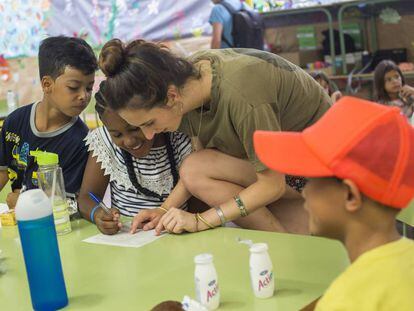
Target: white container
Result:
[11, 101]
[261, 271]
[189, 304]
[206, 282]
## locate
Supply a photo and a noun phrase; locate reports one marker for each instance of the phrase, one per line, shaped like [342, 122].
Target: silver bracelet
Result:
[220, 215]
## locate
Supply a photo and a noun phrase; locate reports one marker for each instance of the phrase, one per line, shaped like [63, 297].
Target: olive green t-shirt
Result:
[253, 90]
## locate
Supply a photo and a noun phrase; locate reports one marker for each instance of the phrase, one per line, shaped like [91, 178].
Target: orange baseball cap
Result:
[368, 143]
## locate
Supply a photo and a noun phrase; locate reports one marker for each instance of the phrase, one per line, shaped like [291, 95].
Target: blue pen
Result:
[100, 203]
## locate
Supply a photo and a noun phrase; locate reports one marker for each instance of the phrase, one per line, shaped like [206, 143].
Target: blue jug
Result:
[41, 252]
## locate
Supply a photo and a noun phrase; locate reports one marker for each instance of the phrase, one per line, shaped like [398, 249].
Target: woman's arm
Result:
[96, 182]
[178, 196]
[269, 187]
[148, 219]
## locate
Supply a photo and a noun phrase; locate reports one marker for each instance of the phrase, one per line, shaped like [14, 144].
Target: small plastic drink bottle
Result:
[11, 101]
[261, 271]
[206, 282]
[40, 249]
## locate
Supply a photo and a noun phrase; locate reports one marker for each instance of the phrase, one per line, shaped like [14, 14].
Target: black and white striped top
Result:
[153, 171]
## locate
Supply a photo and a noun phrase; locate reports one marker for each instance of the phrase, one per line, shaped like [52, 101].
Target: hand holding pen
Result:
[106, 219]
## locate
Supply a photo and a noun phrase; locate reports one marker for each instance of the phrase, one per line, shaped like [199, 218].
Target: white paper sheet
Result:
[124, 239]
[3, 208]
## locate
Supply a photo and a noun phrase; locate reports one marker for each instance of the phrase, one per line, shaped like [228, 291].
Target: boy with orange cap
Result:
[359, 158]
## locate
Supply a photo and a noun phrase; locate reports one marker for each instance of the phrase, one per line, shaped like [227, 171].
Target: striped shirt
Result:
[153, 171]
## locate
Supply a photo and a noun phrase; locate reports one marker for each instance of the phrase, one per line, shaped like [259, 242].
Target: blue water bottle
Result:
[41, 252]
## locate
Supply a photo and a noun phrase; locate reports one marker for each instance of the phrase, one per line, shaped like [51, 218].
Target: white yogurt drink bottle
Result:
[261, 271]
[206, 282]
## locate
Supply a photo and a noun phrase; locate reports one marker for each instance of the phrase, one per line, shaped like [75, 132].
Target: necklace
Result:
[195, 141]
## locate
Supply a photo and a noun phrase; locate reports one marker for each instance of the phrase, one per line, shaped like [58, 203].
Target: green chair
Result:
[406, 216]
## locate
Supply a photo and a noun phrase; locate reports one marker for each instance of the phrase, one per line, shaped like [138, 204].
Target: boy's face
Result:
[70, 92]
[325, 200]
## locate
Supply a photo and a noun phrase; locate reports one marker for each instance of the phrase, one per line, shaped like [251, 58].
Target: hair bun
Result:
[112, 57]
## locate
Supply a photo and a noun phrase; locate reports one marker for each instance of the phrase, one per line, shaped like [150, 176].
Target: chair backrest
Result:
[407, 215]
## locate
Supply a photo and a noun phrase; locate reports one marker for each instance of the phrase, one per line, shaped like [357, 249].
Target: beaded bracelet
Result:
[240, 205]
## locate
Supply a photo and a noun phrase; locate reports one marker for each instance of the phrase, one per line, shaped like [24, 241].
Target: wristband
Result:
[92, 214]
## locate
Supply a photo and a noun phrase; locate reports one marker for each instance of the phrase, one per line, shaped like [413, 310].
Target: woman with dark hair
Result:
[219, 98]
[142, 173]
[390, 88]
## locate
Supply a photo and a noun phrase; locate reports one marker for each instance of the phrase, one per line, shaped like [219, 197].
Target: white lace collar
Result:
[110, 156]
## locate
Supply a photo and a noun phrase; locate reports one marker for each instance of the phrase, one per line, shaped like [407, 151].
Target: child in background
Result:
[390, 88]
[356, 189]
[327, 85]
[222, 22]
[141, 173]
[67, 72]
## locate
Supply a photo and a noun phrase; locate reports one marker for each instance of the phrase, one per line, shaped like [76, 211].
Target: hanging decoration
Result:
[22, 26]
[390, 16]
[24, 23]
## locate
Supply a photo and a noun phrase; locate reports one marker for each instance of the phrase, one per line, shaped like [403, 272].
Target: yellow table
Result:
[102, 277]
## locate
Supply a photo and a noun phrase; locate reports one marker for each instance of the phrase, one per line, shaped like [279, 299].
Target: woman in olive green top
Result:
[219, 98]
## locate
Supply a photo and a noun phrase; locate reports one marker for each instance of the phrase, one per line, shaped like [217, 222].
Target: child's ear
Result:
[47, 84]
[353, 196]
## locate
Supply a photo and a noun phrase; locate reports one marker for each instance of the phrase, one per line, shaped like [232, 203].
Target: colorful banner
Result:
[24, 23]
